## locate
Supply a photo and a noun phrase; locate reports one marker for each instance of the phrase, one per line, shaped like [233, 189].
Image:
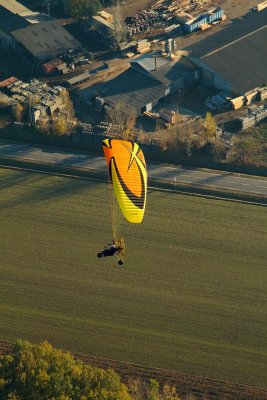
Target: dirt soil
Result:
[133, 6]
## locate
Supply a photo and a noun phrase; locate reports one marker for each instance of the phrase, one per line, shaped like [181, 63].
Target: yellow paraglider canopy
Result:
[127, 170]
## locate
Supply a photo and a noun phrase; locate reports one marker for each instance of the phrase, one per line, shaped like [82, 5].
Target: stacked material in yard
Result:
[143, 46]
[262, 93]
[209, 17]
[163, 14]
[238, 102]
[253, 117]
[43, 99]
[170, 116]
[261, 6]
[252, 96]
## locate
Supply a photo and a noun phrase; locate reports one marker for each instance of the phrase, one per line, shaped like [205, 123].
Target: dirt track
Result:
[199, 387]
[133, 6]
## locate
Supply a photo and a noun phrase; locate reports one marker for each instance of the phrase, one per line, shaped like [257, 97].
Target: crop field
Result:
[191, 296]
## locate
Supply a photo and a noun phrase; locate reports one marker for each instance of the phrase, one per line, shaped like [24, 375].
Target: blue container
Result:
[204, 19]
[218, 13]
[193, 26]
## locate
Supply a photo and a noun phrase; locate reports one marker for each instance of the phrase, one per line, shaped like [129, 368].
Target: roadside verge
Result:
[159, 184]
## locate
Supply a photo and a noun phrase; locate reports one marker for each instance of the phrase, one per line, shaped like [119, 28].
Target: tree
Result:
[60, 125]
[43, 125]
[68, 106]
[245, 151]
[108, 3]
[210, 125]
[119, 32]
[82, 8]
[63, 122]
[169, 393]
[153, 390]
[140, 390]
[40, 372]
[123, 117]
[18, 110]
[219, 151]
[179, 138]
[137, 389]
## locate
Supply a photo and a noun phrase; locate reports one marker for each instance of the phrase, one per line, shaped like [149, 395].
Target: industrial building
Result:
[102, 25]
[33, 36]
[234, 59]
[8, 23]
[149, 80]
[43, 41]
[13, 7]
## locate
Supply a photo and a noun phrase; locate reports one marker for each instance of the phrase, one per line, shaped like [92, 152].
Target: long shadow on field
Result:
[15, 150]
[34, 190]
[13, 178]
[213, 179]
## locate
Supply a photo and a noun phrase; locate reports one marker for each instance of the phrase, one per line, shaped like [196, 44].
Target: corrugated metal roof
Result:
[13, 23]
[46, 40]
[238, 52]
[8, 81]
[4, 14]
[132, 87]
[36, 17]
[244, 63]
[147, 61]
[103, 21]
[173, 70]
[15, 7]
[79, 78]
[162, 68]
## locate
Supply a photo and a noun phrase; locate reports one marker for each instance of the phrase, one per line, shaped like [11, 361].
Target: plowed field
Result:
[191, 296]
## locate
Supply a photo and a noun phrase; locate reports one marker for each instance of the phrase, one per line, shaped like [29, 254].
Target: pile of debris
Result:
[144, 20]
[67, 62]
[218, 101]
[163, 13]
[257, 94]
[227, 138]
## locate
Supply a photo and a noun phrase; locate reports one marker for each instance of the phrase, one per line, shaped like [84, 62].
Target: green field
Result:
[191, 296]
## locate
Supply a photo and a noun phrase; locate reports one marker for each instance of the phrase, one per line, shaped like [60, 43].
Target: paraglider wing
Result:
[127, 169]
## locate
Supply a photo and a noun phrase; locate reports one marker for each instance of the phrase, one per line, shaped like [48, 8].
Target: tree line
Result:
[189, 140]
[41, 372]
[86, 8]
[200, 139]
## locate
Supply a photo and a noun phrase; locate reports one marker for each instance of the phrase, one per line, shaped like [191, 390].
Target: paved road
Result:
[173, 174]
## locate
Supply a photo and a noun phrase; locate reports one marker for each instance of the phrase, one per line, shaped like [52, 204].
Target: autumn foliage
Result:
[40, 372]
